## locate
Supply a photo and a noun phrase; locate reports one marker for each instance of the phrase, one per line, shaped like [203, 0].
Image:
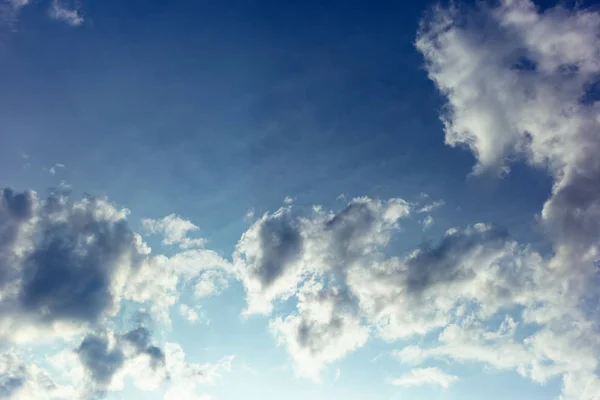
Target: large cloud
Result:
[67, 264]
[282, 249]
[288, 254]
[64, 262]
[325, 328]
[478, 267]
[106, 358]
[519, 85]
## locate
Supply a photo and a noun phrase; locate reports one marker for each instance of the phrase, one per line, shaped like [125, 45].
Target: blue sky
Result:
[342, 199]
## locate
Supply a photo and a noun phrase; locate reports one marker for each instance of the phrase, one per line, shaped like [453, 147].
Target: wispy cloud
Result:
[61, 12]
[425, 376]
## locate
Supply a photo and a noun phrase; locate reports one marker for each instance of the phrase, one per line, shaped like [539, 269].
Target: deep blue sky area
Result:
[234, 105]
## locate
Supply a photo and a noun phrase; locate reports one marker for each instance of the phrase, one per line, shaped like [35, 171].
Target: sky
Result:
[205, 200]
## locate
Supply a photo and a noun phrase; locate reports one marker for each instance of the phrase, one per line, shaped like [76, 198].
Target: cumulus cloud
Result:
[519, 86]
[69, 14]
[282, 249]
[64, 262]
[324, 329]
[347, 288]
[425, 376]
[103, 361]
[478, 265]
[161, 279]
[287, 254]
[107, 358]
[67, 264]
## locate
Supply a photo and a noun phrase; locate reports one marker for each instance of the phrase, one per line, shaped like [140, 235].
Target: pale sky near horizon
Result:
[205, 200]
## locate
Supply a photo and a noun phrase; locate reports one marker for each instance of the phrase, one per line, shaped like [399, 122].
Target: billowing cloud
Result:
[478, 266]
[282, 249]
[106, 358]
[285, 254]
[325, 329]
[64, 262]
[519, 85]
[425, 376]
[103, 361]
[67, 264]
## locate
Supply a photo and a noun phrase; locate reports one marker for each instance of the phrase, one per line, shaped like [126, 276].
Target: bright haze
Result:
[223, 200]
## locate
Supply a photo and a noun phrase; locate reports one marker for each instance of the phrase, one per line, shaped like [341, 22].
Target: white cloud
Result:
[427, 222]
[174, 230]
[70, 263]
[55, 167]
[430, 207]
[249, 215]
[516, 81]
[66, 263]
[324, 329]
[160, 279]
[281, 249]
[188, 313]
[61, 12]
[103, 362]
[425, 376]
[185, 377]
[288, 200]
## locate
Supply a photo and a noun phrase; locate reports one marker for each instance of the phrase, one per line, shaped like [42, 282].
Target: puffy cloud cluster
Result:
[325, 328]
[67, 264]
[102, 362]
[287, 254]
[478, 267]
[106, 358]
[520, 84]
[282, 249]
